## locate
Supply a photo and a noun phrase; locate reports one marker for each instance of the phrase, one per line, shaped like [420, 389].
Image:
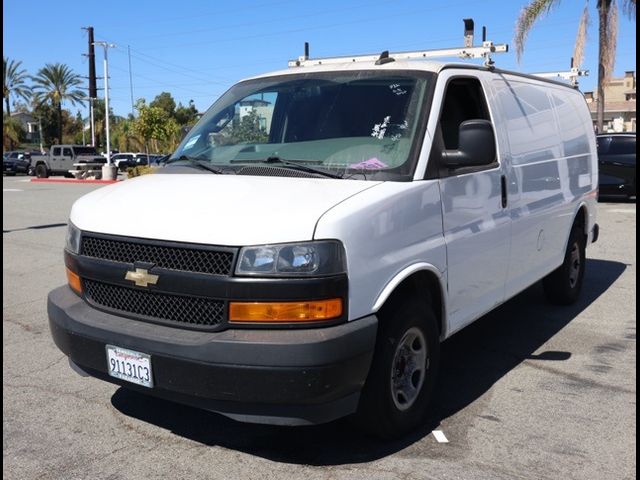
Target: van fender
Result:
[575, 214]
[405, 273]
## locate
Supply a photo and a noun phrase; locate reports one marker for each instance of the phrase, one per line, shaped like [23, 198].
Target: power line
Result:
[378, 18]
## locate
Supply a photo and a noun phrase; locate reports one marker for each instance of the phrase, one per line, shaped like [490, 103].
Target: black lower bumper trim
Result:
[265, 376]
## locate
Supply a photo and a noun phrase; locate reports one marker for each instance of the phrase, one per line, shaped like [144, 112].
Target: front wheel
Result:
[563, 285]
[41, 171]
[396, 394]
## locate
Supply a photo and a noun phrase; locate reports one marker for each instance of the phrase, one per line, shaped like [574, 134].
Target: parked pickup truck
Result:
[62, 158]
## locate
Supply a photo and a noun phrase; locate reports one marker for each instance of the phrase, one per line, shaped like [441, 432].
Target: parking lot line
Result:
[440, 436]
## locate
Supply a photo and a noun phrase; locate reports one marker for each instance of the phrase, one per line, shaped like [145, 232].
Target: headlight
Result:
[73, 239]
[292, 259]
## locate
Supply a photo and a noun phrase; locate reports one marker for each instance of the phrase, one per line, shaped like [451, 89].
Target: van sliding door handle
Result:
[503, 187]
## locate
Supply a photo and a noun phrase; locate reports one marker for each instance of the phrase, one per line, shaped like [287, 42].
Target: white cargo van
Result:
[321, 230]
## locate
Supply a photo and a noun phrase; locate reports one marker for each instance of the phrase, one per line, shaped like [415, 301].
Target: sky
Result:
[196, 50]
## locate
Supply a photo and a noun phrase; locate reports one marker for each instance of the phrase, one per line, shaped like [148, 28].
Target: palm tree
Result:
[14, 82]
[57, 83]
[607, 36]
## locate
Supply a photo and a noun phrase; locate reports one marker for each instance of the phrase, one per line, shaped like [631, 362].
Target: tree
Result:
[248, 129]
[166, 102]
[56, 83]
[156, 126]
[125, 137]
[100, 123]
[186, 115]
[607, 36]
[14, 82]
[12, 132]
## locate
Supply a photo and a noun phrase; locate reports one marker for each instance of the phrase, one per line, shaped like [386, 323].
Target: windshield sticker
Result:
[379, 129]
[395, 88]
[192, 141]
[371, 164]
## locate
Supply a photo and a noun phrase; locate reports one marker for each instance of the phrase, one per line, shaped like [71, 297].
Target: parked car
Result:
[142, 159]
[62, 158]
[129, 159]
[617, 163]
[317, 277]
[16, 162]
[123, 160]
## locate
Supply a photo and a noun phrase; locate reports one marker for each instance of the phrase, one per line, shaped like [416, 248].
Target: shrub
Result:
[137, 171]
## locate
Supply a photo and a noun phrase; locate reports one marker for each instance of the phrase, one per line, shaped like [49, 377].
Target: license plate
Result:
[134, 367]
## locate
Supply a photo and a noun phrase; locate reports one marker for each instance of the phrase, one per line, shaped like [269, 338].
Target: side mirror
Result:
[476, 146]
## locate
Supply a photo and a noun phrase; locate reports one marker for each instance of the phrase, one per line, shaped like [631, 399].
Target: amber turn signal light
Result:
[268, 312]
[74, 281]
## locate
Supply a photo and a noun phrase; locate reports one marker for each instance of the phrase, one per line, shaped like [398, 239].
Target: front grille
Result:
[196, 311]
[189, 259]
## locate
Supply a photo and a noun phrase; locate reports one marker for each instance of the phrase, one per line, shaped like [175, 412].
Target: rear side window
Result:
[622, 146]
[66, 152]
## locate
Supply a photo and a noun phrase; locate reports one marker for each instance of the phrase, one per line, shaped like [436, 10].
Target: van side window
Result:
[464, 100]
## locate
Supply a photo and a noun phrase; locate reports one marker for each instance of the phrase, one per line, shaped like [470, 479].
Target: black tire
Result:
[563, 285]
[378, 413]
[41, 171]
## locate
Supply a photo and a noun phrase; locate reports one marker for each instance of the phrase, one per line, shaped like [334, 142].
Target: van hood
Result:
[213, 209]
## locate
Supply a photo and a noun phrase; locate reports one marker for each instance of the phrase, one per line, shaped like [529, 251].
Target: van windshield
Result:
[360, 124]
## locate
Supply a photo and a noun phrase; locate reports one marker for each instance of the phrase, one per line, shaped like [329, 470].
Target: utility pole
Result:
[130, 79]
[93, 91]
[106, 47]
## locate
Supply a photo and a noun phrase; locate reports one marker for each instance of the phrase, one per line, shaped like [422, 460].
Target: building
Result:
[620, 104]
[29, 124]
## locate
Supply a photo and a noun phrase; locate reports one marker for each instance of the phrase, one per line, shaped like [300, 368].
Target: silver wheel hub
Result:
[408, 369]
[574, 265]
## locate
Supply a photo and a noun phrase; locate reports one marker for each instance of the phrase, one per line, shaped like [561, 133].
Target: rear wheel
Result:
[41, 171]
[396, 394]
[563, 285]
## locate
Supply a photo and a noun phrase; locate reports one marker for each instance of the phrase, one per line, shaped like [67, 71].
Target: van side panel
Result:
[552, 172]
[385, 230]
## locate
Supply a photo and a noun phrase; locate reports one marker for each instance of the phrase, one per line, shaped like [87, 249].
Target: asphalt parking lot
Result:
[529, 391]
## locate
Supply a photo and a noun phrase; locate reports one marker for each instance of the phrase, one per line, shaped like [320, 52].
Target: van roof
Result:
[414, 65]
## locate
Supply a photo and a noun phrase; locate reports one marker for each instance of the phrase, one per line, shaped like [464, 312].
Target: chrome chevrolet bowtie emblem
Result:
[141, 277]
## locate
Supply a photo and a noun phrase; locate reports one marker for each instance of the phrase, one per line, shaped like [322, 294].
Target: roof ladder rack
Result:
[467, 52]
[570, 75]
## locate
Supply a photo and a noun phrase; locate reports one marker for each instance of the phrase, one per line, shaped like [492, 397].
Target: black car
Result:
[16, 162]
[617, 164]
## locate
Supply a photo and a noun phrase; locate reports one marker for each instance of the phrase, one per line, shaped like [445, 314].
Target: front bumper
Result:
[287, 377]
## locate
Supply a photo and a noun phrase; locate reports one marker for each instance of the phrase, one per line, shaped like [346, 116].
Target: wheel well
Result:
[422, 285]
[582, 219]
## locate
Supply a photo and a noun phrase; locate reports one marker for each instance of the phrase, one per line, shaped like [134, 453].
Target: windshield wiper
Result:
[299, 166]
[196, 163]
